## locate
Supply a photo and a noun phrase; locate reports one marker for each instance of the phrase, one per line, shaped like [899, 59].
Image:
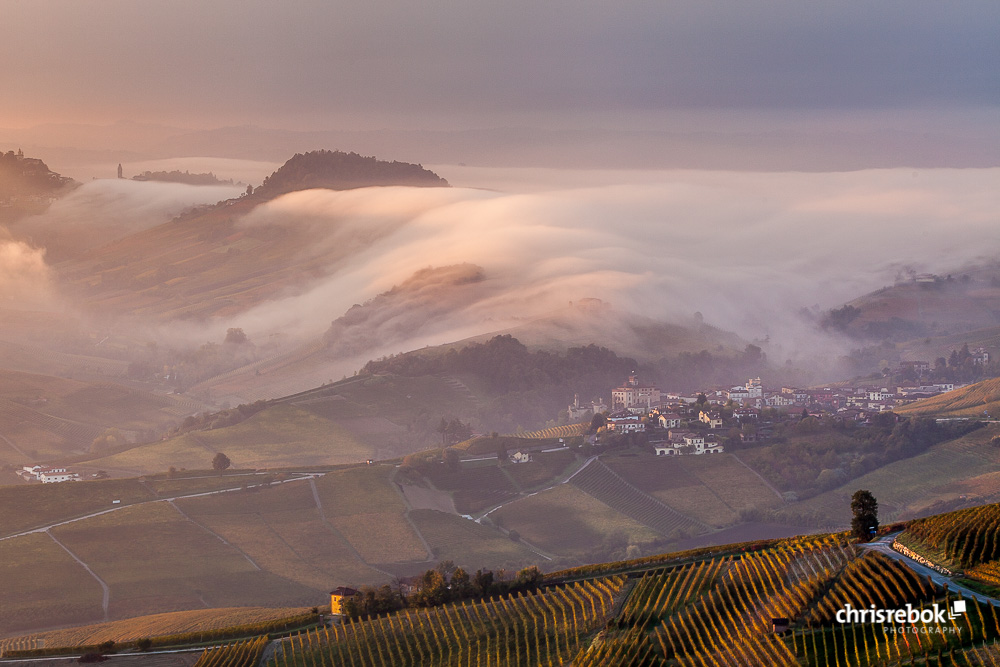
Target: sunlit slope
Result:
[44, 417]
[976, 400]
[368, 417]
[159, 625]
[954, 473]
[279, 436]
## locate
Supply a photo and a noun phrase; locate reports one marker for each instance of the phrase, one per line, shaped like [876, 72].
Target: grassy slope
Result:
[905, 488]
[155, 559]
[281, 530]
[47, 417]
[282, 435]
[364, 507]
[565, 521]
[712, 489]
[41, 586]
[469, 544]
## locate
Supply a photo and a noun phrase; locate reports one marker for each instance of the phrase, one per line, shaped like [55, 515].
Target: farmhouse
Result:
[47, 475]
[520, 457]
[338, 596]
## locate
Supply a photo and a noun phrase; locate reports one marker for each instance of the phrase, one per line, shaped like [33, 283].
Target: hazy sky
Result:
[453, 63]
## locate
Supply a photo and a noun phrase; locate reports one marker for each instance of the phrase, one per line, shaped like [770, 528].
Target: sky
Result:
[450, 64]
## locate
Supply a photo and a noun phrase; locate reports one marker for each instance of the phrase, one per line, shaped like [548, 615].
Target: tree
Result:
[865, 509]
[221, 462]
[236, 336]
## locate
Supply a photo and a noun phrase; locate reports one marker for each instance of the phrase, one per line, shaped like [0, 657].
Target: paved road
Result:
[884, 545]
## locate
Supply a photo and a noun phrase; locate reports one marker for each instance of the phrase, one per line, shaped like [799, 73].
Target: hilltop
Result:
[336, 170]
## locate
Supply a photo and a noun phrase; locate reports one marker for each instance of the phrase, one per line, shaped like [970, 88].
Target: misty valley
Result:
[576, 424]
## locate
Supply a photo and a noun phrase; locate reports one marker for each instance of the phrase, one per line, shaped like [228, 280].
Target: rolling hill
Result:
[209, 263]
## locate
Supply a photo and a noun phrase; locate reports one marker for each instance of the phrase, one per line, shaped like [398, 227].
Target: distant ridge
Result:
[337, 170]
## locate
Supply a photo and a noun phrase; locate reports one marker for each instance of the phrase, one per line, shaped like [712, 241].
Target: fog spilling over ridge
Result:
[746, 250]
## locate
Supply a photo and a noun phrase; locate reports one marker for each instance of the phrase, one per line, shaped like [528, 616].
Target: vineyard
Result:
[542, 628]
[170, 628]
[238, 654]
[604, 484]
[967, 537]
[566, 431]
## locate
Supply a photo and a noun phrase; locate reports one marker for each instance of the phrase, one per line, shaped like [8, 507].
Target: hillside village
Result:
[674, 424]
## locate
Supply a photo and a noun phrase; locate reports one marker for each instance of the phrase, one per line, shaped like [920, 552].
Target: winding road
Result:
[884, 545]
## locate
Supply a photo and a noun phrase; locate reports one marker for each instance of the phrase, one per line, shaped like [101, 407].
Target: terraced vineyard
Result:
[602, 483]
[542, 628]
[967, 537]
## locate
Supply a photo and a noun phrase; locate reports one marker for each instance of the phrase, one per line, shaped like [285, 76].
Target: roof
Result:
[344, 591]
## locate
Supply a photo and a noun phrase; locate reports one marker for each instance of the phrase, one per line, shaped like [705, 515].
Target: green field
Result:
[282, 435]
[565, 521]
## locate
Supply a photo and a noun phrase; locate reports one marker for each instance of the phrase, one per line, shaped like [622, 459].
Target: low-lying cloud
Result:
[100, 211]
[746, 250]
[25, 279]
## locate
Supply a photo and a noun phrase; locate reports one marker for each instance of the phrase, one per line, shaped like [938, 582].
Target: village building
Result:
[338, 596]
[635, 394]
[520, 457]
[669, 420]
[624, 421]
[712, 418]
[687, 443]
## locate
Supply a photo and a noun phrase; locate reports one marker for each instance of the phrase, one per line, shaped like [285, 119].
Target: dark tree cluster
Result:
[177, 176]
[688, 371]
[220, 419]
[454, 431]
[438, 586]
[525, 387]
[813, 455]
